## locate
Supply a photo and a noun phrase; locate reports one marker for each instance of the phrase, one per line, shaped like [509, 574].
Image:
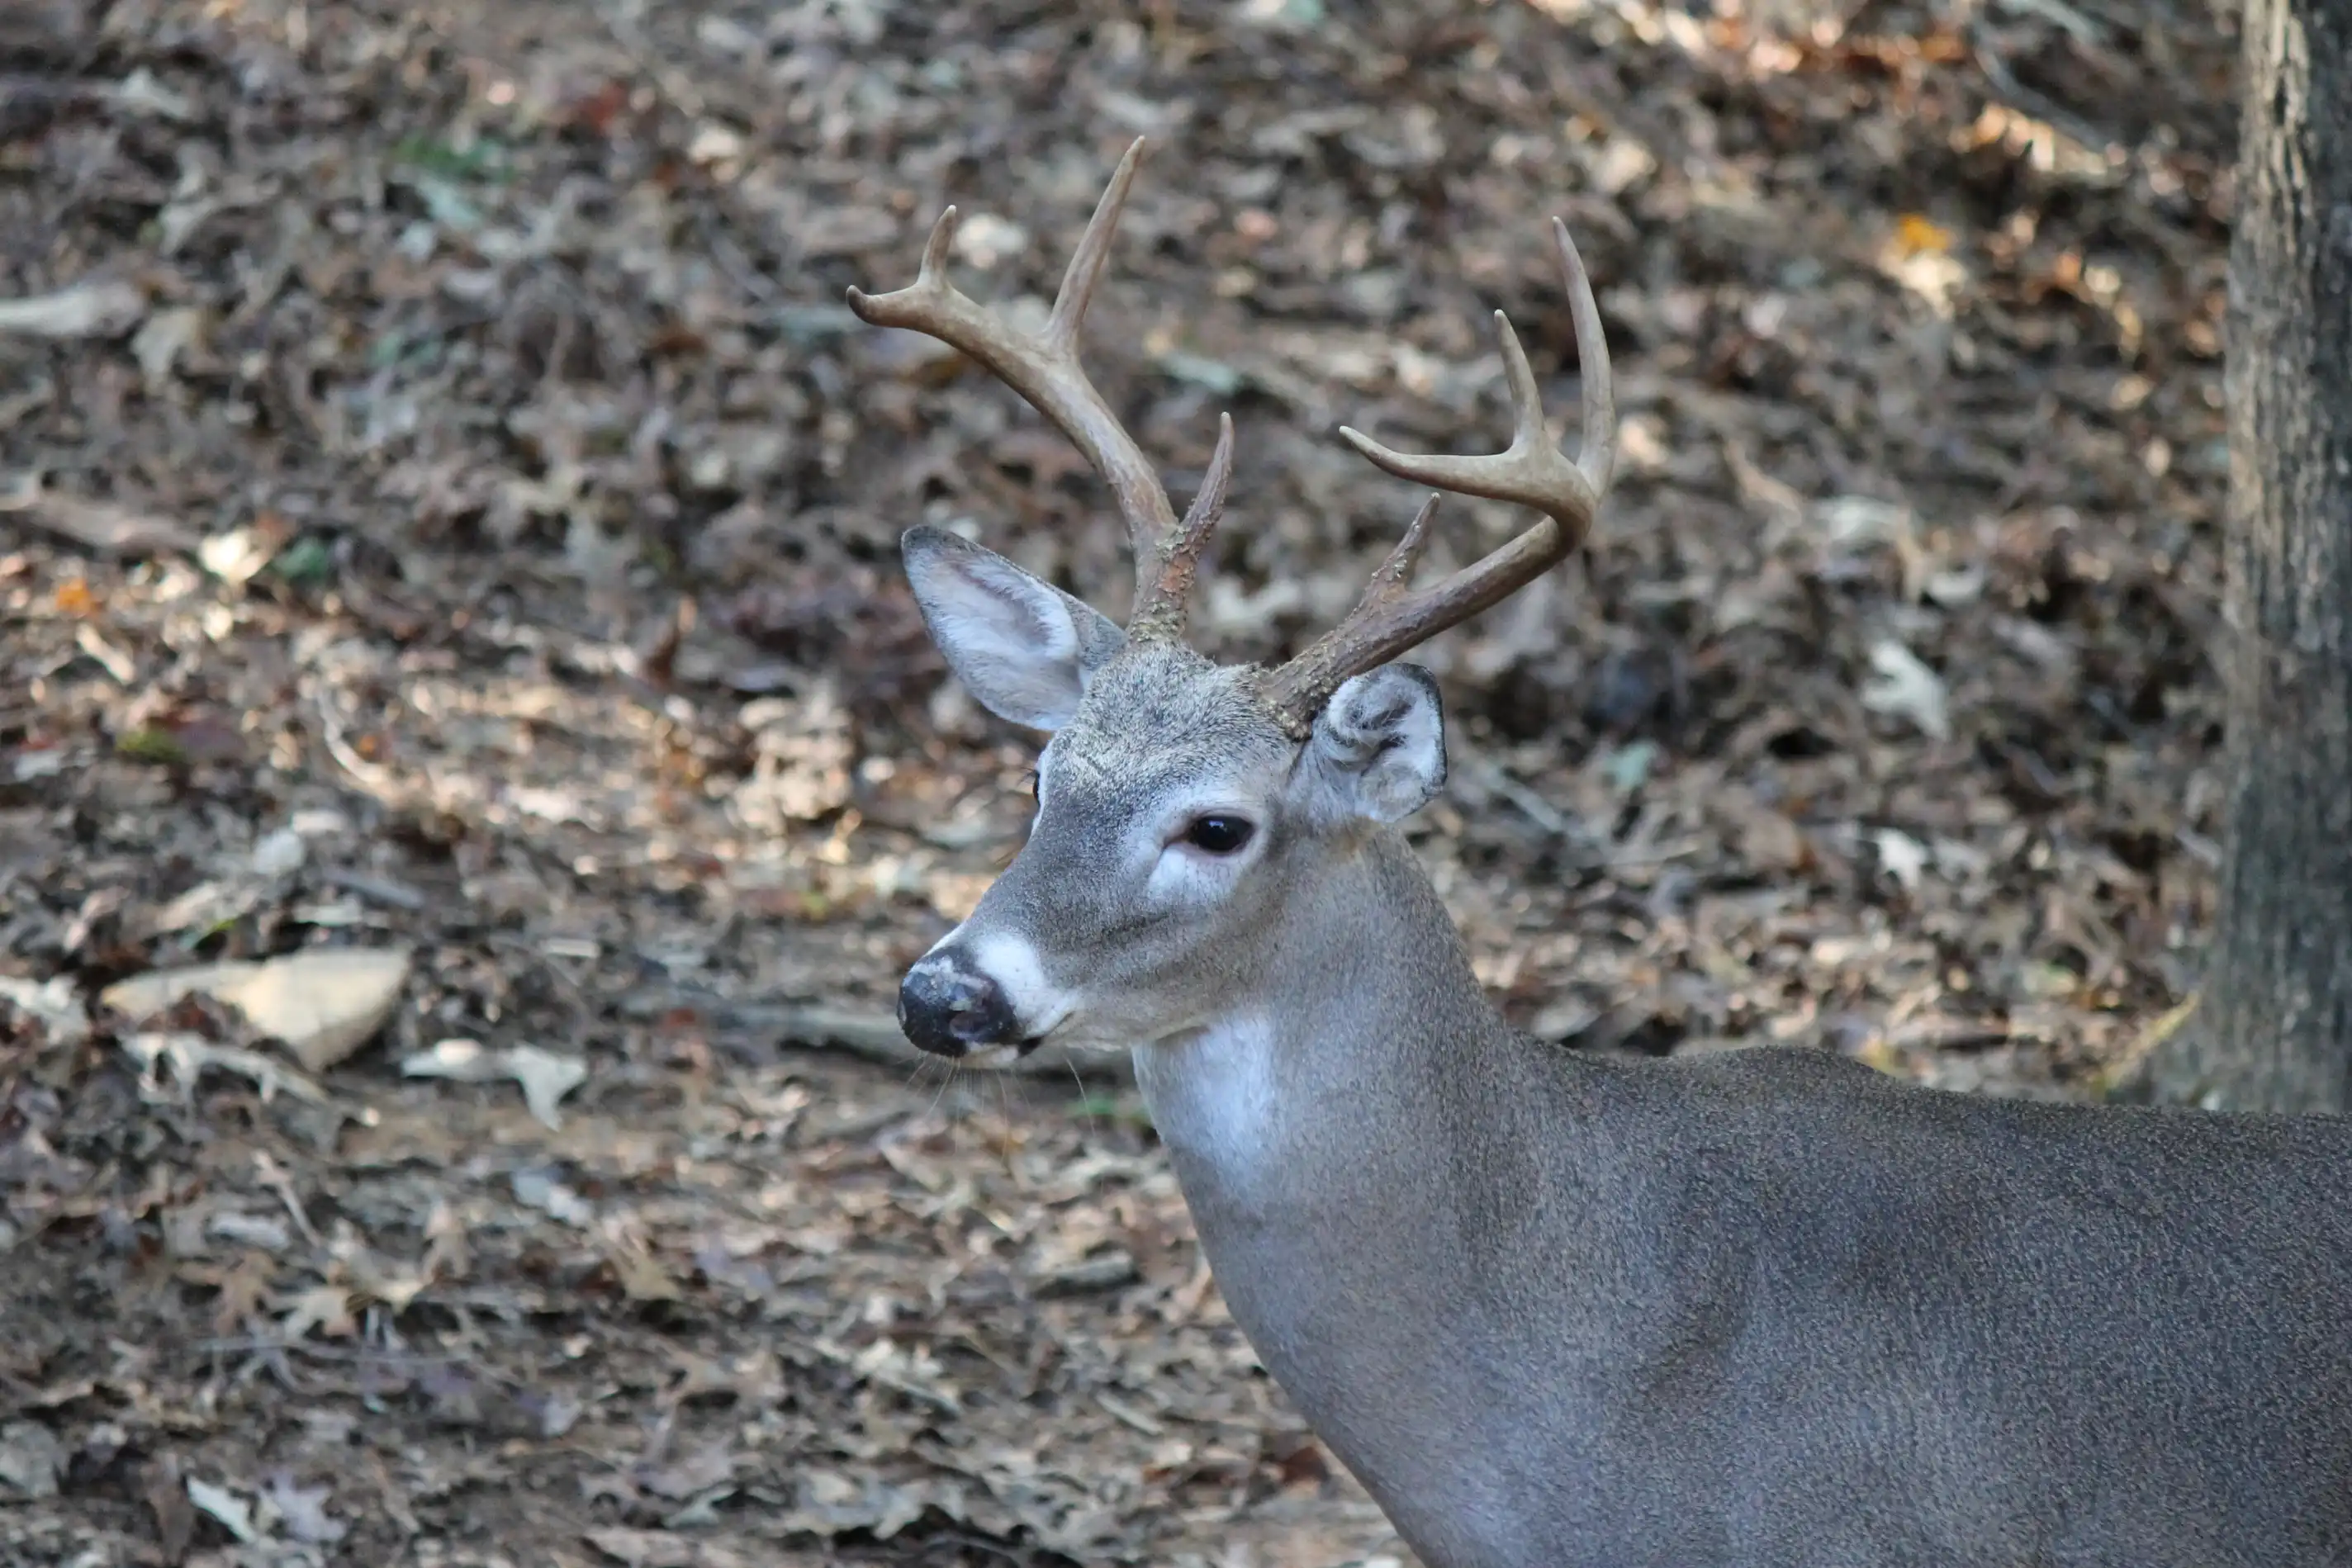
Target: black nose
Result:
[948, 1009]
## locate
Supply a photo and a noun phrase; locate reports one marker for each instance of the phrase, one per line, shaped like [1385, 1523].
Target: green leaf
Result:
[305, 561]
[1628, 767]
[146, 743]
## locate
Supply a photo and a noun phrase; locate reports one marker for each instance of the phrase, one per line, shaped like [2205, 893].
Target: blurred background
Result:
[447, 512]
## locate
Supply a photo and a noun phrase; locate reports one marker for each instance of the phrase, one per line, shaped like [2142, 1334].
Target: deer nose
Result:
[946, 1009]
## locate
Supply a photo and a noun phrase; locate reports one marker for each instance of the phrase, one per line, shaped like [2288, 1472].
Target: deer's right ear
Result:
[1377, 748]
[1024, 647]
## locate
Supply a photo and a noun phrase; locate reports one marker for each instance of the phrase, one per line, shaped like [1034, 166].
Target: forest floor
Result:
[446, 510]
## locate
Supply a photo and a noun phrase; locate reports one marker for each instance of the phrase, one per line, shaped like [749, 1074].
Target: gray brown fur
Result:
[1768, 1308]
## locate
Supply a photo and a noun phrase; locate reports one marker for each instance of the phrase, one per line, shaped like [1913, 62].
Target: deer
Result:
[1745, 1308]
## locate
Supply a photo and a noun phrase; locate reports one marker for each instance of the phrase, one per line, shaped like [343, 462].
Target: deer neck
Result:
[1359, 1007]
[1348, 1137]
[1357, 1070]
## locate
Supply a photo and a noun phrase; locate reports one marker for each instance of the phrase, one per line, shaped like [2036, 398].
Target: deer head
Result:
[1185, 807]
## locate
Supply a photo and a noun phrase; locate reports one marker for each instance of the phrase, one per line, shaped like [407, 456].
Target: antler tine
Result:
[1530, 471]
[1160, 608]
[1085, 270]
[1043, 368]
[1394, 575]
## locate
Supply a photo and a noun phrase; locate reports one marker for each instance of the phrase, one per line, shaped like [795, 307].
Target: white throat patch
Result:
[1213, 1097]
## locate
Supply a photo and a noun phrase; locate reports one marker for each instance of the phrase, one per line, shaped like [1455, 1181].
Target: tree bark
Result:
[2273, 1029]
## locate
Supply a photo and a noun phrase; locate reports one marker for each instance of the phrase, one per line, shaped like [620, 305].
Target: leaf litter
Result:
[446, 528]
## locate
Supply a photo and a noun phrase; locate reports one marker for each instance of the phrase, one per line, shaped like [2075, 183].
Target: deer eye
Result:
[1218, 834]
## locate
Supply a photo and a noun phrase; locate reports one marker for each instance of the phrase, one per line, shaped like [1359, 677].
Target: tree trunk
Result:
[2274, 1027]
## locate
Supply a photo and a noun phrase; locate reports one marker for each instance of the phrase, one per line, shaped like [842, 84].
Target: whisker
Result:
[953, 1066]
[1004, 1109]
[1086, 1104]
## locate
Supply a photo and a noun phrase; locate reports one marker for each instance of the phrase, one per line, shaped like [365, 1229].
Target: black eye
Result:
[1217, 834]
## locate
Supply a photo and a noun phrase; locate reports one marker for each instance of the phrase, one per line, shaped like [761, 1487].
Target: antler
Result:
[1389, 618]
[1158, 611]
[1043, 368]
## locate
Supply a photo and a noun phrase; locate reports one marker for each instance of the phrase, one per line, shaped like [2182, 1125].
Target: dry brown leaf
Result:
[640, 1276]
[327, 1308]
[242, 1291]
[324, 1003]
[167, 1499]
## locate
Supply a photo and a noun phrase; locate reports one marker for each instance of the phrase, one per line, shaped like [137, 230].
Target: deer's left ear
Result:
[1378, 749]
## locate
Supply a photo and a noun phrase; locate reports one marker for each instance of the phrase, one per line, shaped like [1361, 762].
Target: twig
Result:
[279, 1180]
[376, 889]
[1647, 854]
[2033, 104]
[1531, 805]
[257, 1345]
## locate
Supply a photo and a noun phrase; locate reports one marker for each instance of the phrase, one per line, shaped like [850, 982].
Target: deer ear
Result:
[1024, 647]
[1378, 749]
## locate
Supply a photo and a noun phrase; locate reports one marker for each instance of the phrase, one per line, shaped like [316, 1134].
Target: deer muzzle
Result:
[950, 1008]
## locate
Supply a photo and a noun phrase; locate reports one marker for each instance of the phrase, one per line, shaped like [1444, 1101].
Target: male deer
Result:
[1757, 1309]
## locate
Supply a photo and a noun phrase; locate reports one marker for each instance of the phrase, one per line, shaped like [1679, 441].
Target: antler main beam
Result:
[1043, 368]
[1530, 472]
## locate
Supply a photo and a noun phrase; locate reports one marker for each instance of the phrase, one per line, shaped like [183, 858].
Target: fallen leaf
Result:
[31, 1460]
[148, 744]
[103, 310]
[280, 853]
[1906, 688]
[266, 1231]
[236, 555]
[663, 1549]
[714, 143]
[167, 334]
[57, 1393]
[167, 1500]
[115, 661]
[324, 1003]
[545, 1077]
[304, 1510]
[557, 1413]
[142, 93]
[1627, 768]
[1904, 857]
[236, 1515]
[1915, 233]
[190, 1054]
[108, 527]
[543, 1192]
[53, 1002]
[327, 1308]
[641, 1275]
[447, 1255]
[242, 1291]
[705, 1468]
